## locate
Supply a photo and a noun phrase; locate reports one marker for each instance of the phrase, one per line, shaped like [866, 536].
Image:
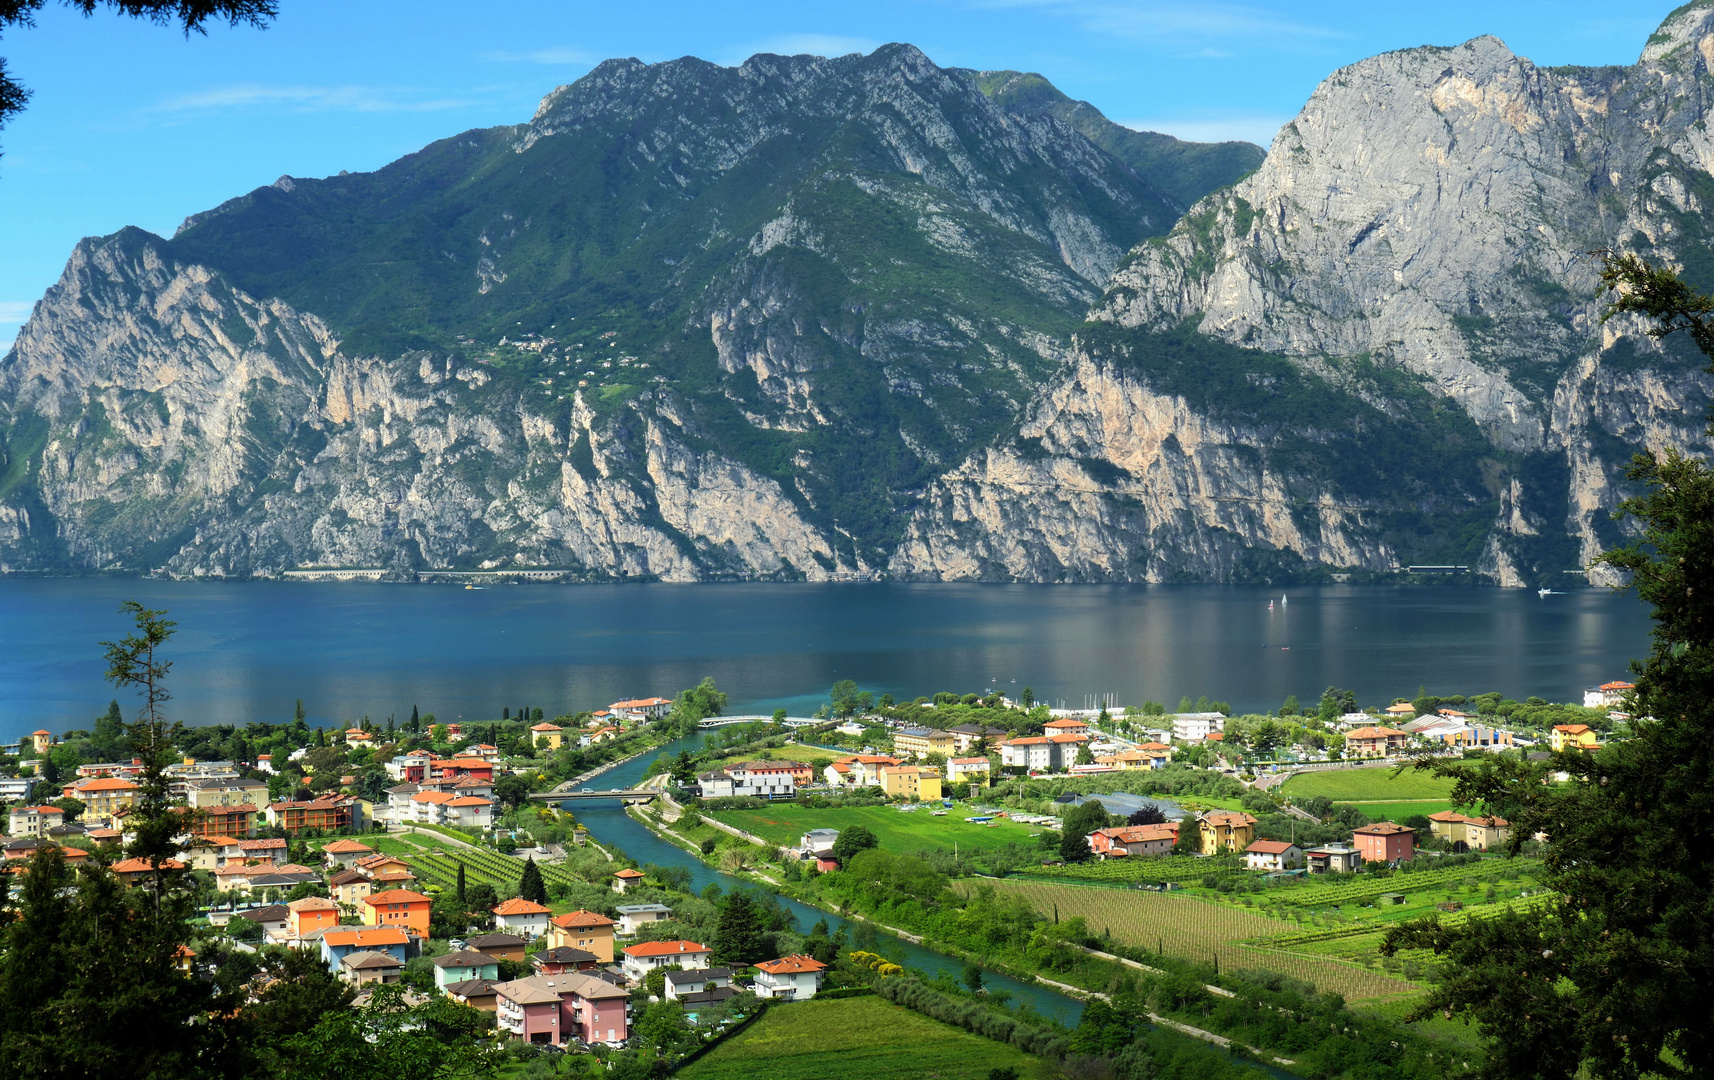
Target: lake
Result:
[248, 650]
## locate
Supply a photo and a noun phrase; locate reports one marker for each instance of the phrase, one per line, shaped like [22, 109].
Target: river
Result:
[611, 825]
[248, 650]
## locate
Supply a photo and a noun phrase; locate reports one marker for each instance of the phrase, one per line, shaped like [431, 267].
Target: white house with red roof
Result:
[651, 708]
[645, 957]
[790, 978]
[34, 820]
[522, 916]
[1272, 856]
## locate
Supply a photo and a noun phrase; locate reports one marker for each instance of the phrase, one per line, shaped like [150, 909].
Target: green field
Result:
[785, 824]
[1368, 785]
[862, 1036]
[1398, 811]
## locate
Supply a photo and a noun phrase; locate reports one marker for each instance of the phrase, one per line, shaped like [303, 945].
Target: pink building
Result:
[1385, 842]
[563, 1007]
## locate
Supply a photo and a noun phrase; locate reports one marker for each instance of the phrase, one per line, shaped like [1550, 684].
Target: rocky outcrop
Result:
[1428, 213]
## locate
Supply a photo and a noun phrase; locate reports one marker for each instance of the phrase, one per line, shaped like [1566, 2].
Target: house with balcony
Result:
[1473, 833]
[1574, 737]
[462, 965]
[790, 978]
[965, 736]
[1374, 742]
[310, 914]
[1273, 856]
[522, 917]
[1226, 831]
[1197, 726]
[345, 853]
[499, 945]
[642, 958]
[633, 917]
[34, 820]
[1333, 859]
[364, 968]
[975, 771]
[921, 742]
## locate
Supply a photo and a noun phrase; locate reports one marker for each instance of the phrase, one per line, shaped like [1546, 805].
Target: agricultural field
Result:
[1398, 811]
[861, 1036]
[1154, 869]
[1194, 930]
[1369, 785]
[785, 823]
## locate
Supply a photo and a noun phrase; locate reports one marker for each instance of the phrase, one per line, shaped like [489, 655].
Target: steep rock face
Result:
[688, 321]
[238, 437]
[1425, 217]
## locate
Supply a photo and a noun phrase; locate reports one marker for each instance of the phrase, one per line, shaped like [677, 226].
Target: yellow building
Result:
[917, 782]
[1226, 830]
[1574, 737]
[922, 742]
[1476, 834]
[584, 930]
[969, 770]
[104, 798]
[553, 733]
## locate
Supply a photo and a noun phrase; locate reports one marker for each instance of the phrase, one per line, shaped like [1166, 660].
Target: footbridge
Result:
[790, 721]
[567, 791]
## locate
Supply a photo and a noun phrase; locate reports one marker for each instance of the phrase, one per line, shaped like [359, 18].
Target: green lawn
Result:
[812, 755]
[1368, 785]
[856, 1037]
[785, 823]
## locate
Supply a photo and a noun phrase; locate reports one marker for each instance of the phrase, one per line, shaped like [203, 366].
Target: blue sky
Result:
[134, 125]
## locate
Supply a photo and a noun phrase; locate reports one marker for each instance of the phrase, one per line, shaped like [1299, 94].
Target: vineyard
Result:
[1192, 930]
[440, 868]
[1165, 868]
[1352, 888]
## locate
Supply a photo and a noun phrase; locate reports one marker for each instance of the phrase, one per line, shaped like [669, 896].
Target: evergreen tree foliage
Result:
[1075, 828]
[530, 885]
[1612, 979]
[851, 840]
[739, 937]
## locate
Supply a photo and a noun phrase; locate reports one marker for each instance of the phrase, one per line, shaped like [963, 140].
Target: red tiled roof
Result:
[367, 936]
[665, 948]
[340, 847]
[1363, 733]
[1383, 828]
[519, 906]
[1270, 847]
[791, 965]
[396, 896]
[133, 866]
[109, 783]
[628, 873]
[572, 920]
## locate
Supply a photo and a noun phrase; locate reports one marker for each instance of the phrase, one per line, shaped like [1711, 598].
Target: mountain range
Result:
[868, 317]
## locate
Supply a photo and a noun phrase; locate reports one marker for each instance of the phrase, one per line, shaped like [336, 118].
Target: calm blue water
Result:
[247, 650]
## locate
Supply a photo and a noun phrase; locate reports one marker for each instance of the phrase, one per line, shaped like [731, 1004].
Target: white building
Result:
[1196, 726]
[764, 779]
[794, 978]
[649, 955]
[714, 785]
[34, 820]
[973, 770]
[1040, 753]
[522, 916]
[1272, 856]
[1607, 696]
[633, 917]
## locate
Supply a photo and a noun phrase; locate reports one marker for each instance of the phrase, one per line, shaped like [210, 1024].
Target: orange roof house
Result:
[584, 930]
[625, 878]
[132, 871]
[310, 914]
[553, 733]
[1385, 842]
[398, 907]
[1574, 737]
[1375, 741]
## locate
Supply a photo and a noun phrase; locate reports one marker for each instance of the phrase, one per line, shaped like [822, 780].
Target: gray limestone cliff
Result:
[1426, 219]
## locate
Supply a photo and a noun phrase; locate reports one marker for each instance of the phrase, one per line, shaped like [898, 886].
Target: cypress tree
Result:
[461, 883]
[530, 885]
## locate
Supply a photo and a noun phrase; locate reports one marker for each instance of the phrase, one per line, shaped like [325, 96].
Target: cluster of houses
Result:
[1223, 832]
[579, 977]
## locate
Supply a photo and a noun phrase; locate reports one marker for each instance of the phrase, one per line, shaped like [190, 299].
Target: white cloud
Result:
[558, 55]
[15, 311]
[1257, 129]
[308, 99]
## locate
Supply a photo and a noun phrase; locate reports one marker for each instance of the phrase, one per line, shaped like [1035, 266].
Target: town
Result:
[423, 860]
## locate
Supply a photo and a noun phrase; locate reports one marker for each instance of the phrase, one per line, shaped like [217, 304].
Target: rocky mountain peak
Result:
[1685, 30]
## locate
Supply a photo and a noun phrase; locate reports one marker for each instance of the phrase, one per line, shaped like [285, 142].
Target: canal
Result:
[612, 826]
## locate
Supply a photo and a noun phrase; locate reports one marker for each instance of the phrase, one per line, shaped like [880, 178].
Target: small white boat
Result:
[1545, 592]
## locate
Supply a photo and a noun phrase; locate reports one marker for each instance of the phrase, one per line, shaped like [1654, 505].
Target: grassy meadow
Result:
[785, 824]
[861, 1036]
[1369, 785]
